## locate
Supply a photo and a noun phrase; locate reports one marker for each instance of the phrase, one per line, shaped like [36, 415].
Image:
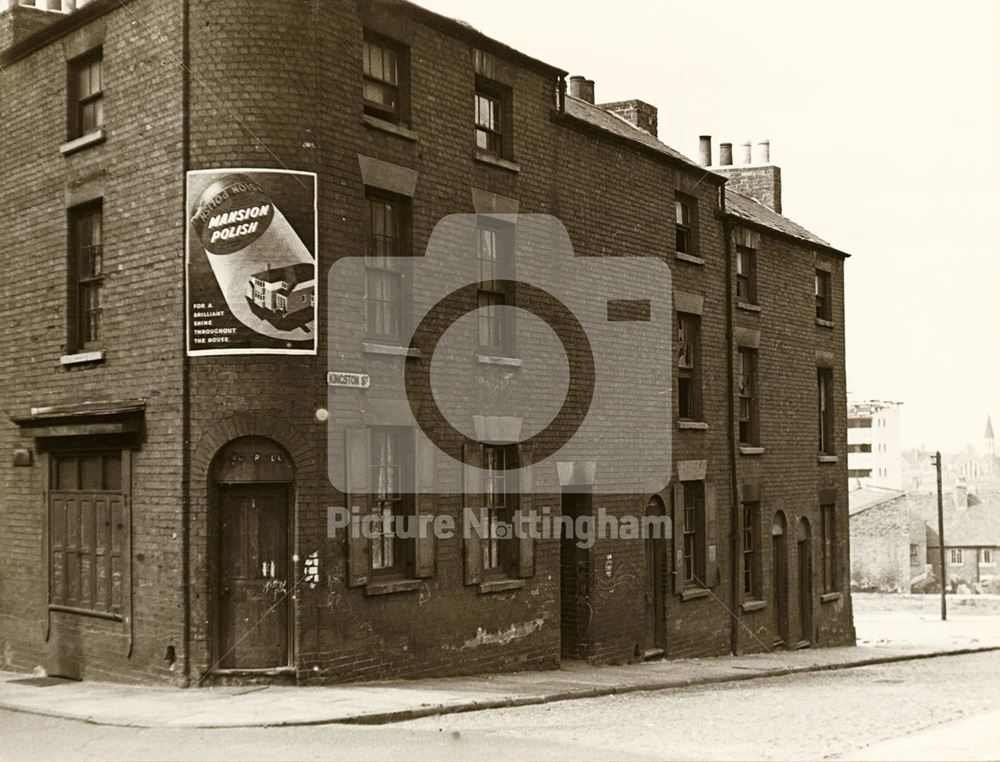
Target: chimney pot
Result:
[705, 150]
[582, 88]
[764, 151]
[725, 154]
[747, 153]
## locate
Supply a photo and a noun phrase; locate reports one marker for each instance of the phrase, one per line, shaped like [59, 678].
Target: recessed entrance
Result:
[779, 579]
[804, 537]
[253, 574]
[655, 588]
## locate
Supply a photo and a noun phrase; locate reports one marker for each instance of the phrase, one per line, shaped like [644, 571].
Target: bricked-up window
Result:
[751, 552]
[86, 275]
[957, 556]
[392, 498]
[828, 528]
[86, 94]
[385, 65]
[494, 254]
[824, 301]
[746, 275]
[824, 386]
[749, 400]
[499, 547]
[387, 238]
[493, 103]
[686, 215]
[694, 533]
[87, 532]
[688, 366]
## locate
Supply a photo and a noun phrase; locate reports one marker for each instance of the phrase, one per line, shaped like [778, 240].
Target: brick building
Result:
[157, 499]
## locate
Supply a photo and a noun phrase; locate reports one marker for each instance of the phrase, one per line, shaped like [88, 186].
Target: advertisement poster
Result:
[251, 262]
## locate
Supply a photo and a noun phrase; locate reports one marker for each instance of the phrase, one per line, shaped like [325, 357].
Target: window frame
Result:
[689, 374]
[751, 555]
[693, 532]
[77, 101]
[686, 231]
[828, 543]
[391, 507]
[826, 411]
[499, 553]
[378, 269]
[83, 315]
[398, 113]
[494, 322]
[499, 138]
[956, 556]
[824, 295]
[746, 275]
[749, 399]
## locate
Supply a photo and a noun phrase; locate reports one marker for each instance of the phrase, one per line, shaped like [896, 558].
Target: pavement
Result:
[890, 629]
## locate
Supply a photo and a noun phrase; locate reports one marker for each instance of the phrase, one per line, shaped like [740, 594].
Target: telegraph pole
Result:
[936, 460]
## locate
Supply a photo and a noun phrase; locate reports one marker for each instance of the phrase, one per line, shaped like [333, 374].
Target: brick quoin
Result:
[278, 84]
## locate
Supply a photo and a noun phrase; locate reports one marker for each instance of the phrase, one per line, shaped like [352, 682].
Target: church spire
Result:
[989, 428]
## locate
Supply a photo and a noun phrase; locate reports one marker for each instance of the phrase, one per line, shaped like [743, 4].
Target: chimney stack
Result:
[758, 180]
[637, 113]
[705, 150]
[581, 88]
[961, 494]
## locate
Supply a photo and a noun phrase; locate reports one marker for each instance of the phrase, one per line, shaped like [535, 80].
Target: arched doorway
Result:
[252, 483]
[779, 578]
[804, 540]
[655, 587]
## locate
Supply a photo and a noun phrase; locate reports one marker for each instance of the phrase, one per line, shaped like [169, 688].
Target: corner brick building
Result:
[143, 485]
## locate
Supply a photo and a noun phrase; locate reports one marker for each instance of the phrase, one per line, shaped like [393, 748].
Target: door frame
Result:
[779, 578]
[218, 491]
[804, 581]
[656, 587]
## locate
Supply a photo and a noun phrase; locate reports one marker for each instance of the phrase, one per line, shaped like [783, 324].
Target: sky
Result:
[884, 116]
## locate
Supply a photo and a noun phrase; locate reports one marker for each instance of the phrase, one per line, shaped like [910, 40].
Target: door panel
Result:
[253, 600]
[780, 587]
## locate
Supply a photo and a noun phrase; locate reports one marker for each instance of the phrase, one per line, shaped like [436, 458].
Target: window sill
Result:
[828, 597]
[690, 259]
[496, 161]
[825, 323]
[500, 586]
[398, 350]
[748, 307]
[512, 362]
[392, 586]
[386, 126]
[692, 425]
[751, 450]
[84, 141]
[826, 458]
[692, 593]
[753, 605]
[82, 358]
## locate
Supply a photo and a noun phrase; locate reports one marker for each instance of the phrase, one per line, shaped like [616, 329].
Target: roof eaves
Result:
[743, 219]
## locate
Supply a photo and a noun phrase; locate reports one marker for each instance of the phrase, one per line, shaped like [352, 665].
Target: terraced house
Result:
[164, 498]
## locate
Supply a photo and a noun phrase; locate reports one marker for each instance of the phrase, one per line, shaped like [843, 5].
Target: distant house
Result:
[888, 541]
[971, 542]
[283, 290]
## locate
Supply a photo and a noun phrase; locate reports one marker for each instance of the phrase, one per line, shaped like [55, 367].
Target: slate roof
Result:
[747, 209]
[868, 497]
[976, 526]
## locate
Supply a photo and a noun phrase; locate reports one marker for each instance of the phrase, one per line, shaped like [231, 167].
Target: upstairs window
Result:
[86, 275]
[86, 94]
[494, 253]
[824, 305]
[824, 385]
[384, 74]
[387, 226]
[688, 367]
[685, 214]
[493, 118]
[746, 275]
[749, 404]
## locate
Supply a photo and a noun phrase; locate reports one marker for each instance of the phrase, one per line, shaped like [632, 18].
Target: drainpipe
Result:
[735, 518]
[185, 361]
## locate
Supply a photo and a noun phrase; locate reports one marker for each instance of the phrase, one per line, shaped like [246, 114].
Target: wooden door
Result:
[779, 586]
[655, 593]
[805, 589]
[254, 579]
